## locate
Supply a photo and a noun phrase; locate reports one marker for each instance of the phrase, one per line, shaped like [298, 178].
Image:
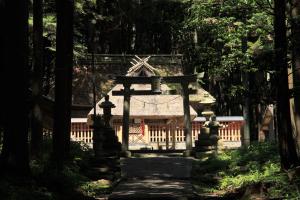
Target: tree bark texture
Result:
[37, 80]
[63, 81]
[14, 157]
[2, 50]
[247, 101]
[296, 66]
[286, 141]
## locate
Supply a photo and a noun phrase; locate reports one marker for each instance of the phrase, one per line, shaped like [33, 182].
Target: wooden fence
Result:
[158, 133]
[81, 132]
[230, 131]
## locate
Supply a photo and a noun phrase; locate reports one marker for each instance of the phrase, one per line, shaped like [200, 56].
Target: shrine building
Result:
[156, 121]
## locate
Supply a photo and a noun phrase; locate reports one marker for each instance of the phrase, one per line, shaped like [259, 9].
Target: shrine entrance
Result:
[141, 73]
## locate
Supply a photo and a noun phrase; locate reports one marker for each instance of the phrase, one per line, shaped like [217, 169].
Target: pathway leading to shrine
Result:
[155, 177]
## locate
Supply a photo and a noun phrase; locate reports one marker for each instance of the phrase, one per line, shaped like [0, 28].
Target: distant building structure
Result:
[155, 120]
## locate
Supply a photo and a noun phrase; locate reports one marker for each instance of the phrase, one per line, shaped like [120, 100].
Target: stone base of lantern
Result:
[206, 144]
[126, 154]
[106, 162]
[111, 145]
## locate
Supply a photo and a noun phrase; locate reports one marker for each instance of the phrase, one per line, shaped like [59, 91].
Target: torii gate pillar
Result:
[125, 122]
[127, 92]
[187, 119]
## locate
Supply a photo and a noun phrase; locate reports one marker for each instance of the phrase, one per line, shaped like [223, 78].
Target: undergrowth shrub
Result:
[237, 169]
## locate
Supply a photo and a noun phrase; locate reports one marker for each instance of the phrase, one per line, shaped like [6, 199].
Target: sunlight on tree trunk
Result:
[287, 146]
[296, 66]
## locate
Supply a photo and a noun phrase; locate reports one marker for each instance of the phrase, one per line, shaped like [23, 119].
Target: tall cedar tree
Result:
[63, 81]
[1, 68]
[296, 65]
[38, 69]
[247, 103]
[15, 107]
[287, 146]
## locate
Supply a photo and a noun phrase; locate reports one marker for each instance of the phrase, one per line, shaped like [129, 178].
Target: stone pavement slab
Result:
[155, 177]
[154, 189]
[163, 167]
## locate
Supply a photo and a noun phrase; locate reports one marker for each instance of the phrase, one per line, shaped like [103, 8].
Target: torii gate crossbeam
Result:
[127, 81]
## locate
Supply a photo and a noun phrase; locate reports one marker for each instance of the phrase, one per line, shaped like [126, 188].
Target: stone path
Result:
[155, 177]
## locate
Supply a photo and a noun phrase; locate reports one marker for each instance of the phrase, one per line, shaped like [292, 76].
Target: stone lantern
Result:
[107, 106]
[106, 163]
[98, 135]
[105, 139]
[208, 136]
[207, 103]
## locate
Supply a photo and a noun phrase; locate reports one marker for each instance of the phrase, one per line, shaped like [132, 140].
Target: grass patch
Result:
[235, 170]
[96, 188]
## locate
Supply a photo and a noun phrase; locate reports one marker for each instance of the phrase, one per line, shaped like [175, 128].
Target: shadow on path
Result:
[164, 177]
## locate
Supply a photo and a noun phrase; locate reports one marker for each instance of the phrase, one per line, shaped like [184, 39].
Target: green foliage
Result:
[68, 179]
[232, 37]
[47, 183]
[80, 151]
[238, 169]
[96, 188]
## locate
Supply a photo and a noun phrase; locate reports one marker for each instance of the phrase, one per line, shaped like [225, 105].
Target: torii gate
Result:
[155, 81]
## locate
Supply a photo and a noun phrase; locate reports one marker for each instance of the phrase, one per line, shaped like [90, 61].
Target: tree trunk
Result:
[247, 102]
[254, 114]
[2, 50]
[14, 157]
[38, 69]
[63, 81]
[296, 66]
[246, 112]
[286, 141]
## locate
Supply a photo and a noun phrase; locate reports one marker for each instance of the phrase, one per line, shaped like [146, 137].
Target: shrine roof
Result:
[150, 106]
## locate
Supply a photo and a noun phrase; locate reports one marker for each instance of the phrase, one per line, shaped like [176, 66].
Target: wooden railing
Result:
[80, 131]
[230, 131]
[156, 133]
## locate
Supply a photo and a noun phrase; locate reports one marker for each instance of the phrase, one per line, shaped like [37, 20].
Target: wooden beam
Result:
[175, 92]
[133, 80]
[135, 92]
[149, 92]
[180, 79]
[148, 80]
[121, 59]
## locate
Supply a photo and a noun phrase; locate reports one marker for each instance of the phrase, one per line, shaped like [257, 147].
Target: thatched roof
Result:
[152, 106]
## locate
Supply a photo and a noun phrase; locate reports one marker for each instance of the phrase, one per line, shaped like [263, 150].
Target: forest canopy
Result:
[245, 53]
